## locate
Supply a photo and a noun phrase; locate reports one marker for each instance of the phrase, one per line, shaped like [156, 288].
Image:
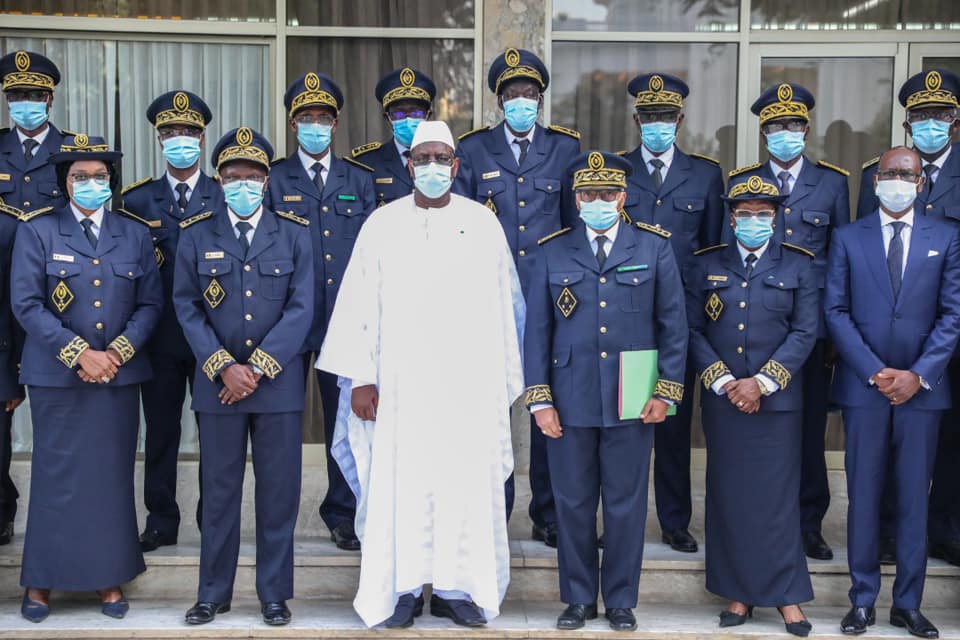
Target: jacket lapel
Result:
[73, 232]
[920, 243]
[109, 230]
[640, 177]
[947, 177]
[805, 183]
[622, 248]
[336, 178]
[51, 144]
[732, 262]
[202, 197]
[538, 150]
[13, 150]
[226, 236]
[300, 178]
[768, 261]
[397, 165]
[678, 173]
[496, 144]
[871, 243]
[264, 236]
[581, 250]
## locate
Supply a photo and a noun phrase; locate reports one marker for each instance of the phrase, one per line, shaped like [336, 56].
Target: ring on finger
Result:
[104, 379]
[740, 404]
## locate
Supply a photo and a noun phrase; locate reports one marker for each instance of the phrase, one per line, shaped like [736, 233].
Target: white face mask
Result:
[896, 195]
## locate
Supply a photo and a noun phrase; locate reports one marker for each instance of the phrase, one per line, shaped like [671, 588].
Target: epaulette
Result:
[153, 224]
[365, 148]
[658, 230]
[4, 130]
[10, 210]
[553, 235]
[359, 164]
[622, 152]
[30, 215]
[870, 163]
[276, 161]
[749, 167]
[840, 170]
[710, 249]
[68, 132]
[292, 217]
[463, 136]
[194, 219]
[564, 130]
[703, 157]
[794, 247]
[134, 185]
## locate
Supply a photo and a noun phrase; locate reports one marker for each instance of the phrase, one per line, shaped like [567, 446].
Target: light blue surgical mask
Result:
[403, 130]
[896, 195]
[91, 194]
[181, 151]
[599, 214]
[753, 232]
[243, 197]
[313, 137]
[28, 115]
[658, 136]
[432, 180]
[521, 113]
[785, 145]
[930, 136]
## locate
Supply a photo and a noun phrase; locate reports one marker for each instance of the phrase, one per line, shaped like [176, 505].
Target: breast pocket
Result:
[212, 274]
[817, 225]
[564, 291]
[635, 290]
[275, 278]
[778, 292]
[693, 208]
[62, 285]
[349, 217]
[487, 192]
[126, 276]
[952, 213]
[549, 191]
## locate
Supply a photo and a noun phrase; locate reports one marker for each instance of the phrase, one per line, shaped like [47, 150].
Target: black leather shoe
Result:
[857, 620]
[275, 613]
[680, 540]
[888, 551]
[204, 612]
[546, 534]
[914, 621]
[6, 533]
[462, 612]
[151, 539]
[406, 610]
[345, 537]
[948, 550]
[730, 619]
[801, 628]
[576, 615]
[816, 547]
[621, 619]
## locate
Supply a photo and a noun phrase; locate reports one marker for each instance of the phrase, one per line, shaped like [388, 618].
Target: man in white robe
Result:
[426, 337]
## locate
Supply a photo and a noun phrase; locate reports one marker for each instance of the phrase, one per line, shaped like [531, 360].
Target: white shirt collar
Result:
[308, 161]
[96, 216]
[191, 181]
[510, 136]
[939, 162]
[39, 138]
[254, 220]
[886, 219]
[400, 149]
[744, 252]
[794, 171]
[611, 235]
[666, 157]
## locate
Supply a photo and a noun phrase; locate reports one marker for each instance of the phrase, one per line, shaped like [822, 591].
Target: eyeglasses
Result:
[898, 174]
[648, 117]
[919, 115]
[422, 159]
[99, 178]
[37, 95]
[232, 178]
[324, 119]
[781, 125]
[166, 133]
[607, 195]
[403, 114]
[530, 92]
[743, 214]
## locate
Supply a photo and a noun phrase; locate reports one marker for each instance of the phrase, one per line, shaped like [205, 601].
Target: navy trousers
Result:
[8, 492]
[814, 486]
[671, 464]
[339, 506]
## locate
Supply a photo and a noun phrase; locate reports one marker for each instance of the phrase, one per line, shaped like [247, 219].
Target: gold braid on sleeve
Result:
[123, 347]
[714, 372]
[776, 372]
[216, 362]
[266, 363]
[70, 353]
[539, 393]
[669, 389]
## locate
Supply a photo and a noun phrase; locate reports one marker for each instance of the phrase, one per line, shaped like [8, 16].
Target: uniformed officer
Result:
[183, 191]
[243, 291]
[85, 287]
[930, 99]
[753, 308]
[407, 98]
[336, 196]
[517, 170]
[817, 200]
[11, 345]
[681, 193]
[598, 289]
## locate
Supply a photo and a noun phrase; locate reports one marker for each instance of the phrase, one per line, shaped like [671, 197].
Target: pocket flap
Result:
[782, 282]
[549, 185]
[561, 356]
[276, 267]
[634, 278]
[490, 188]
[690, 205]
[567, 277]
[213, 267]
[62, 269]
[128, 270]
[816, 218]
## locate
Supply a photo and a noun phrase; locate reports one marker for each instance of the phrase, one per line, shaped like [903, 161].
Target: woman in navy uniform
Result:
[753, 312]
[85, 287]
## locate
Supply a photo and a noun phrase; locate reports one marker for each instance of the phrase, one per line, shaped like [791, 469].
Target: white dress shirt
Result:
[886, 228]
[666, 158]
[938, 163]
[514, 147]
[794, 172]
[254, 220]
[308, 161]
[96, 216]
[39, 138]
[610, 234]
[191, 183]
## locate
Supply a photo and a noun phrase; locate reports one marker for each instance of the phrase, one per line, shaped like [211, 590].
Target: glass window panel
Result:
[588, 91]
[646, 15]
[357, 64]
[381, 13]
[226, 10]
[855, 14]
[948, 63]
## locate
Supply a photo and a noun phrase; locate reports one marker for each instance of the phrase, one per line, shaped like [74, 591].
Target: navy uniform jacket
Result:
[916, 331]
[32, 186]
[688, 204]
[11, 335]
[943, 201]
[68, 295]
[154, 202]
[254, 310]
[580, 318]
[531, 202]
[335, 218]
[765, 324]
[391, 178]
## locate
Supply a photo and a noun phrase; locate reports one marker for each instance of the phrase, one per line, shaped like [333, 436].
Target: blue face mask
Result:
[521, 113]
[403, 130]
[28, 115]
[785, 145]
[753, 232]
[599, 215]
[182, 151]
[658, 136]
[313, 137]
[91, 194]
[930, 136]
[432, 180]
[243, 197]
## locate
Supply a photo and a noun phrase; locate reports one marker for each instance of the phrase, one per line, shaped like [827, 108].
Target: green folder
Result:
[638, 377]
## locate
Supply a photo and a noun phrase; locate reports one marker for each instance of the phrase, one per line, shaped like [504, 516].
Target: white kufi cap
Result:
[432, 131]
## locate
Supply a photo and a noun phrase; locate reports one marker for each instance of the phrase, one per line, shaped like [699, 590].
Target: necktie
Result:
[87, 225]
[181, 190]
[784, 183]
[929, 170]
[244, 228]
[895, 257]
[657, 173]
[29, 148]
[318, 176]
[751, 260]
[524, 144]
[601, 253]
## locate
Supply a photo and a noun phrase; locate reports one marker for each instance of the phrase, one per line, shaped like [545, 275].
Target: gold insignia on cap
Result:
[313, 94]
[656, 83]
[406, 90]
[516, 70]
[512, 57]
[61, 296]
[785, 107]
[312, 81]
[567, 302]
[407, 77]
[754, 185]
[244, 136]
[181, 102]
[595, 161]
[933, 80]
[180, 114]
[934, 93]
[244, 149]
[714, 306]
[214, 294]
[656, 96]
[597, 174]
[81, 140]
[785, 93]
[22, 60]
[23, 77]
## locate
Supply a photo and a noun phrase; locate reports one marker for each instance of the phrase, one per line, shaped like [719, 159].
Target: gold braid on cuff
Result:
[539, 393]
[216, 362]
[70, 353]
[776, 372]
[713, 373]
[265, 362]
[669, 389]
[123, 347]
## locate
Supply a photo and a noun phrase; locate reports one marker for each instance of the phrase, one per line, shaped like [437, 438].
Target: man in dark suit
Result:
[893, 310]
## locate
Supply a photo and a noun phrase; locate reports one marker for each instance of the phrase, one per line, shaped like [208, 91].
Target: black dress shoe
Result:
[680, 540]
[406, 610]
[801, 628]
[576, 615]
[888, 551]
[546, 534]
[816, 547]
[204, 612]
[621, 619]
[948, 550]
[275, 613]
[6, 533]
[463, 612]
[730, 619]
[857, 620]
[345, 537]
[914, 621]
[151, 539]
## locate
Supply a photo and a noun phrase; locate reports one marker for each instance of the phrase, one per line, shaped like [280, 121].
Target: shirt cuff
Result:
[767, 385]
[540, 405]
[717, 387]
[356, 384]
